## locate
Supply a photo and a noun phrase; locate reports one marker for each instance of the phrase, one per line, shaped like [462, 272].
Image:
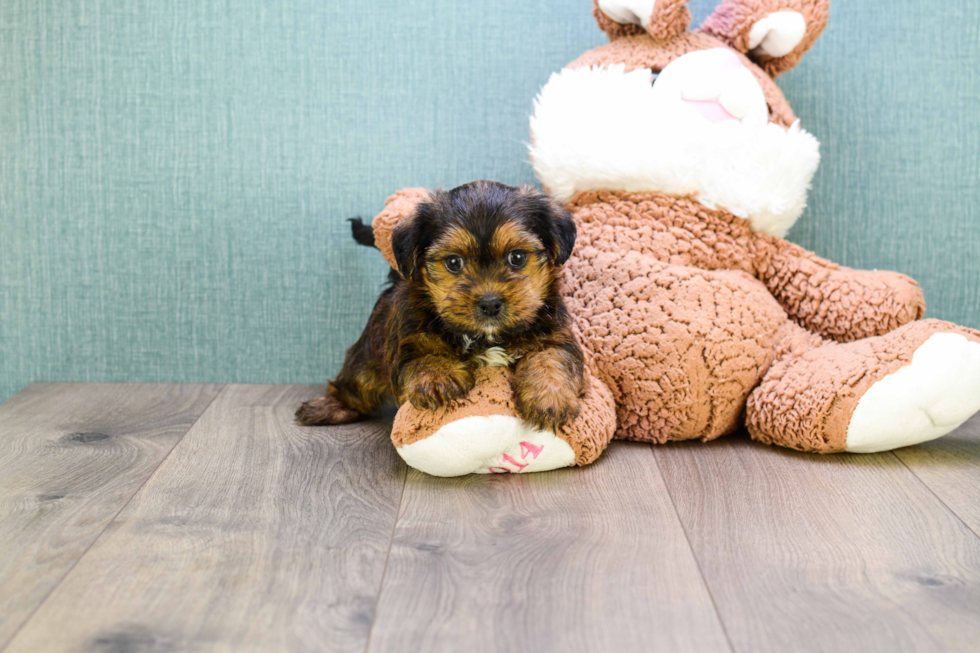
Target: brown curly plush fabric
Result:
[588, 435]
[679, 346]
[670, 18]
[837, 302]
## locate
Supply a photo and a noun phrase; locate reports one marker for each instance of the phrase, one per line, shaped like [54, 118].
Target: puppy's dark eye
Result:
[453, 263]
[517, 258]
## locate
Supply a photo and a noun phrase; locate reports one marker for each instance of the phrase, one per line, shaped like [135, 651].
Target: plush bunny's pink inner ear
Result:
[662, 19]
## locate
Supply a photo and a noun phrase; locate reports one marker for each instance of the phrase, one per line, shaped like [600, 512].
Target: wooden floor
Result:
[194, 518]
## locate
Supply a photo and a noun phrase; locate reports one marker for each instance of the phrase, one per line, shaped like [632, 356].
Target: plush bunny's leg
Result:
[913, 384]
[483, 433]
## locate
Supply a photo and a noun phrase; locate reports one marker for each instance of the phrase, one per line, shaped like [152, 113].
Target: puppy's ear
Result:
[565, 232]
[403, 246]
[551, 223]
[411, 239]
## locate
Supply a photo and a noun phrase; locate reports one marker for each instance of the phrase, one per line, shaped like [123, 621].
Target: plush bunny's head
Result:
[698, 113]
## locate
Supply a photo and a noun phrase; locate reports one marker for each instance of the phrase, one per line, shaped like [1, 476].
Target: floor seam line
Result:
[694, 555]
[98, 537]
[933, 493]
[384, 570]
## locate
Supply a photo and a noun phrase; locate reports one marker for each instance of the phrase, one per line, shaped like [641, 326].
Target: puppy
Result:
[478, 285]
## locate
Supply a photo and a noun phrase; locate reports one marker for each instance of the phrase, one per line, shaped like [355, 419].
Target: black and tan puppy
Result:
[478, 285]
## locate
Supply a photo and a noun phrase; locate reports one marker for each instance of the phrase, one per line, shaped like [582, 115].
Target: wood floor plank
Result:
[590, 559]
[950, 466]
[254, 535]
[825, 553]
[71, 456]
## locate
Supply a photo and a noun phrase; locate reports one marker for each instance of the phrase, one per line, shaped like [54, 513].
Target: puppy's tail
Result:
[363, 233]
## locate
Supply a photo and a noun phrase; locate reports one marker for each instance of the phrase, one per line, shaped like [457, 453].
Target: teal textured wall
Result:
[174, 175]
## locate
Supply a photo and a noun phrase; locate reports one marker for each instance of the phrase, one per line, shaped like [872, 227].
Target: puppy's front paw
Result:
[547, 390]
[547, 411]
[325, 410]
[432, 385]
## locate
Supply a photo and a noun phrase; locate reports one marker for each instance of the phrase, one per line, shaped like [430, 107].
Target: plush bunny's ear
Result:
[662, 19]
[774, 33]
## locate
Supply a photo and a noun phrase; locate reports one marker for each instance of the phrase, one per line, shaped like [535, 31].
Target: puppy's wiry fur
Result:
[477, 284]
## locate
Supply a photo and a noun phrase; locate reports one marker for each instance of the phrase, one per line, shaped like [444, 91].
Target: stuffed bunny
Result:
[684, 166]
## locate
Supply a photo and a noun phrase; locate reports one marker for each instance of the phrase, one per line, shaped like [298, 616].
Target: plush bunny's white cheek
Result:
[777, 34]
[625, 12]
[714, 85]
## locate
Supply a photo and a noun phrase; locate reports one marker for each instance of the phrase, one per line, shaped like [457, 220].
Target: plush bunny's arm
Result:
[400, 206]
[834, 301]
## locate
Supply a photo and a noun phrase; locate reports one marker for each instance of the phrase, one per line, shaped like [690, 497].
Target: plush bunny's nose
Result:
[711, 110]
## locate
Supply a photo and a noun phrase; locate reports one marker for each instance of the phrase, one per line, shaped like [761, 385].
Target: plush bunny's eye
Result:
[453, 263]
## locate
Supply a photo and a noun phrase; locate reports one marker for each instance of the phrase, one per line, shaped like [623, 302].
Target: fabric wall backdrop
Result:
[174, 176]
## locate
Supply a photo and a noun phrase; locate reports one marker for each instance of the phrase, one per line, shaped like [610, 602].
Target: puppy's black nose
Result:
[490, 305]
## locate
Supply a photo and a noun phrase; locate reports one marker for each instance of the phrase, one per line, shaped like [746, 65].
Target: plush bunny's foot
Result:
[495, 444]
[915, 383]
[925, 400]
[484, 434]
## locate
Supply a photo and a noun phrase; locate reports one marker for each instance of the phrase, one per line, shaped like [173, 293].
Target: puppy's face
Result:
[486, 254]
[488, 281]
